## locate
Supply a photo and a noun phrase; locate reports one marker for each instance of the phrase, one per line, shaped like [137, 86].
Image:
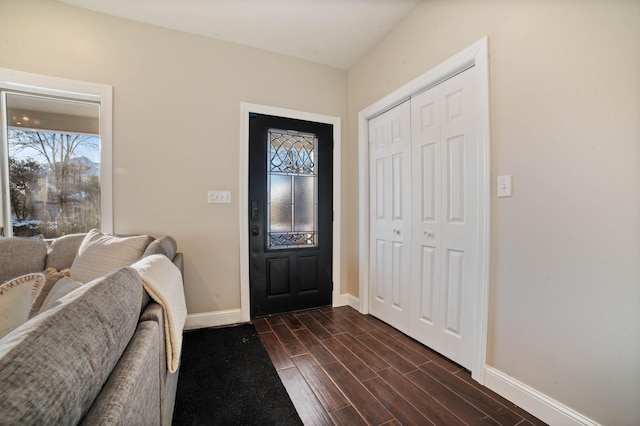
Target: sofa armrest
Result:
[131, 395]
[168, 381]
[178, 260]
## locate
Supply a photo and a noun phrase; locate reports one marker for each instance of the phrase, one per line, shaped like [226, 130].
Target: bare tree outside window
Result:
[54, 181]
[22, 179]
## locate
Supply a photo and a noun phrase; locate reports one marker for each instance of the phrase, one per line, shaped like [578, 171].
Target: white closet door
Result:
[444, 220]
[390, 201]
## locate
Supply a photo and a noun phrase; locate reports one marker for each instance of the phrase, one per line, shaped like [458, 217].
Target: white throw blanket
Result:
[163, 281]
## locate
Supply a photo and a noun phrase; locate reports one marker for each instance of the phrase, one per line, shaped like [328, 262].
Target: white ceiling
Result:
[331, 32]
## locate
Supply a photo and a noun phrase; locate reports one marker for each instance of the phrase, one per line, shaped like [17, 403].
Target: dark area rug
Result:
[227, 378]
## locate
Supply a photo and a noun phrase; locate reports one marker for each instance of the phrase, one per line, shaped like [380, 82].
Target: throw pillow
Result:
[61, 288]
[16, 298]
[51, 276]
[100, 254]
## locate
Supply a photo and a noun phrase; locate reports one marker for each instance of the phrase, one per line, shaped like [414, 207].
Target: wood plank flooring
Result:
[343, 368]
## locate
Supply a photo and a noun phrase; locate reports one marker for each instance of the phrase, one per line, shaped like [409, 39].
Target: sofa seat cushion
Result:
[101, 253]
[53, 366]
[20, 256]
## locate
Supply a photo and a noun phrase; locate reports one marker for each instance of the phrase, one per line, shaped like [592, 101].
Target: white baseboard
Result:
[346, 300]
[354, 302]
[540, 405]
[339, 300]
[213, 319]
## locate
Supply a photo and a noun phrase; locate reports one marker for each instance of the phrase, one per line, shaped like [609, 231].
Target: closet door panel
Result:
[459, 231]
[390, 225]
[444, 170]
[426, 216]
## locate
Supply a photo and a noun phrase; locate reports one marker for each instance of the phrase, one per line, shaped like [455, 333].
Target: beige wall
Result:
[565, 122]
[176, 122]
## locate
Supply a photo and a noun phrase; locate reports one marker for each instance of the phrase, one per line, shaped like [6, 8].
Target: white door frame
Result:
[245, 109]
[474, 55]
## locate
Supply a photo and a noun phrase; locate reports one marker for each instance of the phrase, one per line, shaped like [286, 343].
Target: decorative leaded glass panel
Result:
[292, 189]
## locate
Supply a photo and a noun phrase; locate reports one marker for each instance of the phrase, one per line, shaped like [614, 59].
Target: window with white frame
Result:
[56, 156]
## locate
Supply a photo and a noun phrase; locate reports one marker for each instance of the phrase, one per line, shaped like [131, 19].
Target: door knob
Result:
[396, 231]
[255, 230]
[427, 234]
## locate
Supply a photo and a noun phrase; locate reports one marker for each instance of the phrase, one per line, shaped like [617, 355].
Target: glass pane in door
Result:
[292, 190]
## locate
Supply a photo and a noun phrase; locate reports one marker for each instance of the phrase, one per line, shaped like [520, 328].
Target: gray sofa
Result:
[96, 357]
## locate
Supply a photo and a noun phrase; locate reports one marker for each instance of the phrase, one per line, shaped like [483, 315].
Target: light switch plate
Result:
[504, 186]
[219, 197]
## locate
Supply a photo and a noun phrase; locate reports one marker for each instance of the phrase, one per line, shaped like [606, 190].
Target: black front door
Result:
[290, 214]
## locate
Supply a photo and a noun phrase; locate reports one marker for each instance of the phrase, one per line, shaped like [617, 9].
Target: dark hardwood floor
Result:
[341, 367]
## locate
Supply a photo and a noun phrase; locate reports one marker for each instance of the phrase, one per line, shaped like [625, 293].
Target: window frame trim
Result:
[12, 80]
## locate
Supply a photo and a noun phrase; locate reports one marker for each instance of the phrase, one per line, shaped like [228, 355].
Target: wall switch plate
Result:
[219, 197]
[504, 186]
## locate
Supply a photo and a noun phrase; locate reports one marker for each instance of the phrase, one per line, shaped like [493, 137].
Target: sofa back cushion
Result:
[53, 366]
[63, 251]
[20, 256]
[166, 245]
